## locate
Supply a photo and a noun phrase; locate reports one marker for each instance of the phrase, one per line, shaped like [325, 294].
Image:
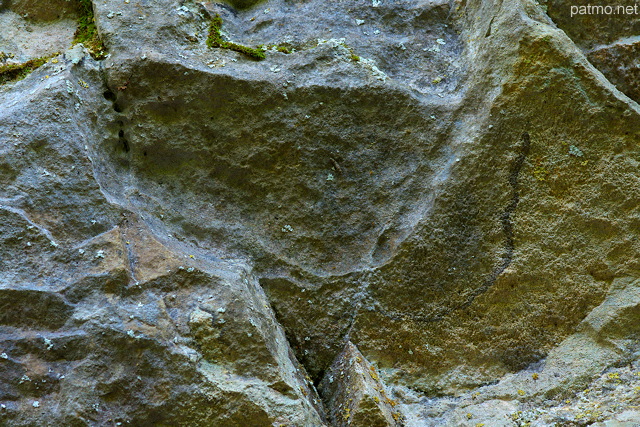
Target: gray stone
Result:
[445, 190]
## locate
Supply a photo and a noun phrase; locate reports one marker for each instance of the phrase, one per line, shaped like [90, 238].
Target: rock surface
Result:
[443, 193]
[352, 389]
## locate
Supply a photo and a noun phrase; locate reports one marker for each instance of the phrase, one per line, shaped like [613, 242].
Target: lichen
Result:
[87, 32]
[215, 40]
[540, 173]
[575, 151]
[5, 56]
[13, 72]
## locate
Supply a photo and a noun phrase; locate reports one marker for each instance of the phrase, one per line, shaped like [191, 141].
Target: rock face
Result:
[437, 198]
[353, 391]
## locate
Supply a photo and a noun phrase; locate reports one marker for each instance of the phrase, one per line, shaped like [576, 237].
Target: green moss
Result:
[354, 58]
[284, 48]
[215, 40]
[87, 33]
[12, 72]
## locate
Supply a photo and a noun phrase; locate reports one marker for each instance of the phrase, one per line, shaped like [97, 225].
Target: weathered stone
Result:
[189, 236]
[354, 393]
[42, 10]
[618, 62]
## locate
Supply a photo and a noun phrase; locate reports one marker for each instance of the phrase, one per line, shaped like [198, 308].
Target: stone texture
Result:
[618, 62]
[33, 29]
[353, 390]
[447, 191]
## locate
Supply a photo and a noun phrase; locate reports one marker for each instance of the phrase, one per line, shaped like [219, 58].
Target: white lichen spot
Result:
[99, 254]
[376, 32]
[48, 343]
[575, 151]
[287, 229]
[376, 3]
[330, 177]
[359, 21]
[441, 41]
[111, 14]
[371, 65]
[36, 404]
[81, 251]
[221, 310]
[333, 42]
[69, 87]
[274, 69]
[4, 356]
[54, 244]
[24, 379]
[131, 334]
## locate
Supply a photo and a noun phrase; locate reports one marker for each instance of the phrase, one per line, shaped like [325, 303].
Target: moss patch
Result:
[87, 33]
[13, 72]
[282, 48]
[215, 40]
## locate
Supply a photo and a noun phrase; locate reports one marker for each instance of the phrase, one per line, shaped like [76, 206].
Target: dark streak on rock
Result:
[507, 223]
[509, 246]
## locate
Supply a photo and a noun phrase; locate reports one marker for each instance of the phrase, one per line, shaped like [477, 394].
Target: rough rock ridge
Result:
[428, 210]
